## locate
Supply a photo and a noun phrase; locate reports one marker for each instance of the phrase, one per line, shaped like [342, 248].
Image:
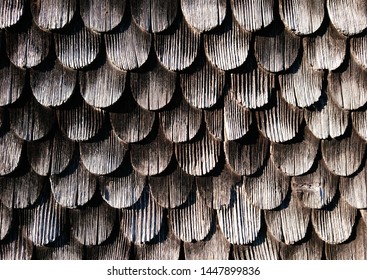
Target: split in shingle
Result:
[76, 46]
[177, 48]
[344, 156]
[253, 87]
[302, 17]
[10, 12]
[325, 49]
[214, 247]
[268, 188]
[317, 188]
[11, 147]
[289, 223]
[123, 188]
[152, 157]
[352, 249]
[353, 189]
[357, 50]
[277, 50]
[127, 46]
[297, 157]
[153, 88]
[311, 248]
[75, 186]
[172, 189]
[199, 156]
[359, 121]
[53, 14]
[228, 46]
[348, 16]
[102, 16]
[93, 224]
[334, 223]
[247, 155]
[214, 122]
[253, 15]
[280, 122]
[216, 188]
[182, 122]
[80, 121]
[103, 155]
[12, 81]
[142, 221]
[204, 15]
[265, 247]
[348, 86]
[154, 15]
[192, 220]
[52, 84]
[203, 86]
[51, 155]
[325, 119]
[103, 86]
[240, 221]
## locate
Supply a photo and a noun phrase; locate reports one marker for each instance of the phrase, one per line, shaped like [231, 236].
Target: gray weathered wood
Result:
[142, 222]
[103, 86]
[182, 122]
[17, 246]
[102, 16]
[53, 85]
[53, 14]
[31, 121]
[10, 12]
[289, 223]
[21, 190]
[153, 157]
[348, 16]
[80, 121]
[154, 15]
[12, 80]
[6, 220]
[253, 15]
[29, 46]
[359, 121]
[343, 157]
[199, 157]
[52, 155]
[204, 15]
[317, 188]
[171, 190]
[216, 189]
[128, 46]
[302, 17]
[103, 156]
[268, 188]
[192, 220]
[204, 85]
[227, 47]
[277, 50]
[75, 186]
[178, 48]
[77, 46]
[326, 119]
[303, 87]
[354, 189]
[61, 250]
[153, 89]
[357, 50]
[214, 122]
[123, 189]
[214, 247]
[265, 247]
[326, 50]
[240, 221]
[247, 156]
[295, 158]
[252, 88]
[334, 223]
[348, 87]
[92, 225]
[11, 148]
[280, 122]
